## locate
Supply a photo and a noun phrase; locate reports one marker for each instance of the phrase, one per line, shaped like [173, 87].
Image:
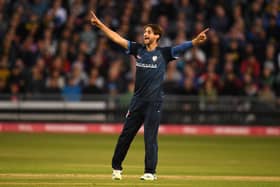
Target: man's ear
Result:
[157, 36]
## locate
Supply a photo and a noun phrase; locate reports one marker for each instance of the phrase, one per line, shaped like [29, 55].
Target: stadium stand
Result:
[48, 47]
[50, 55]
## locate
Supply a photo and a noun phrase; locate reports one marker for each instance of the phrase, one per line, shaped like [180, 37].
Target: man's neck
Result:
[151, 46]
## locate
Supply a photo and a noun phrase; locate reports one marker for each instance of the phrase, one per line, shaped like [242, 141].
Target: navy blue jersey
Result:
[150, 69]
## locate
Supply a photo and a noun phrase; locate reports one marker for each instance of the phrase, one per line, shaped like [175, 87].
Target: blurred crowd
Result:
[49, 47]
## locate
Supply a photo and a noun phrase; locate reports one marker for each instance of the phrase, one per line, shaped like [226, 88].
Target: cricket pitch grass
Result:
[48, 160]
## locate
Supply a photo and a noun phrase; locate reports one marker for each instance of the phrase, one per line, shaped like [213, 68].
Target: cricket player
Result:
[146, 104]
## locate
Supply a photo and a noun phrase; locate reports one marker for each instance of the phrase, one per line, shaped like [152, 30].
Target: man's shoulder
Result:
[136, 44]
[166, 52]
[164, 49]
[134, 47]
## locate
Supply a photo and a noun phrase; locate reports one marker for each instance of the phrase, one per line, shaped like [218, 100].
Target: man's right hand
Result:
[112, 35]
[200, 38]
[94, 20]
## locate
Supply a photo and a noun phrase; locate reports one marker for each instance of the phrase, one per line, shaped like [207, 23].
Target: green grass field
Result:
[84, 160]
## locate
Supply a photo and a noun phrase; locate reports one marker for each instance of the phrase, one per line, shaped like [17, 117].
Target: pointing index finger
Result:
[205, 30]
[92, 13]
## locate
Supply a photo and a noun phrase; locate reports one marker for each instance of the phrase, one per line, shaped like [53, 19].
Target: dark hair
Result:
[156, 29]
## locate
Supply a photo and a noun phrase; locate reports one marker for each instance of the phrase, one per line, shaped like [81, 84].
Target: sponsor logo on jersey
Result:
[142, 65]
[154, 58]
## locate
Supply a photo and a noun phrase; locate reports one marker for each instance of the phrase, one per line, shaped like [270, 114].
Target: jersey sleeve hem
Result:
[128, 51]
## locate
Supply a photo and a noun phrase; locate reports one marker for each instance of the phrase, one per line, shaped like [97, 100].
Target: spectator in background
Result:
[210, 74]
[250, 88]
[220, 21]
[277, 77]
[267, 77]
[58, 13]
[273, 27]
[165, 25]
[48, 44]
[18, 77]
[164, 7]
[272, 20]
[201, 8]
[237, 13]
[258, 37]
[115, 84]
[248, 51]
[3, 89]
[208, 92]
[35, 82]
[215, 46]
[32, 26]
[80, 61]
[270, 56]
[188, 88]
[231, 84]
[28, 52]
[234, 51]
[89, 37]
[39, 7]
[41, 66]
[77, 8]
[97, 61]
[238, 25]
[189, 73]
[72, 91]
[3, 25]
[4, 70]
[62, 54]
[14, 91]
[266, 94]
[95, 83]
[251, 65]
[57, 65]
[196, 57]
[180, 27]
[52, 90]
[57, 77]
[79, 75]
[254, 11]
[187, 8]
[126, 97]
[172, 79]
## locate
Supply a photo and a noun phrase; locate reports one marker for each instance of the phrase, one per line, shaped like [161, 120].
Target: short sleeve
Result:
[167, 54]
[133, 48]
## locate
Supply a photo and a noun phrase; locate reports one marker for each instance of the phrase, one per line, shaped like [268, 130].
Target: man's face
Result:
[149, 36]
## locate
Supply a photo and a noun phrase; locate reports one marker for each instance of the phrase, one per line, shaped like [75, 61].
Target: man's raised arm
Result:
[181, 48]
[115, 37]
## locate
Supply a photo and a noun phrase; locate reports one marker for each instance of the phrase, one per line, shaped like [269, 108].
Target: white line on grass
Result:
[46, 183]
[171, 177]
[149, 183]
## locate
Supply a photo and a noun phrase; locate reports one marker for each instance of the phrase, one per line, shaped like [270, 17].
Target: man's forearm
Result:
[181, 48]
[112, 35]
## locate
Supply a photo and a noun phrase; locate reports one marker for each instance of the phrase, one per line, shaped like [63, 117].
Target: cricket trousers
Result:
[140, 111]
